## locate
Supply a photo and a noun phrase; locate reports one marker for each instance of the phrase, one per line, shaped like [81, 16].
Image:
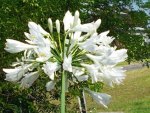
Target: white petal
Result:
[78, 71]
[100, 98]
[14, 46]
[89, 27]
[13, 75]
[108, 56]
[27, 35]
[16, 74]
[49, 69]
[82, 78]
[79, 74]
[97, 23]
[42, 31]
[147, 40]
[11, 70]
[76, 36]
[50, 85]
[84, 27]
[76, 18]
[93, 71]
[112, 75]
[37, 28]
[103, 39]
[28, 80]
[119, 55]
[67, 63]
[90, 44]
[32, 25]
[68, 20]
[43, 54]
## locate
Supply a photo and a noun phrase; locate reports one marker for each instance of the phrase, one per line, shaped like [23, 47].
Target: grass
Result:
[123, 63]
[132, 97]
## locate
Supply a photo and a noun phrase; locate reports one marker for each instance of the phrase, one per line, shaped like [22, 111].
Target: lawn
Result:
[131, 97]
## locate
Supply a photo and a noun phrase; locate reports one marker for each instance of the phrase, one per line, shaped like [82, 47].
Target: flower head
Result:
[86, 56]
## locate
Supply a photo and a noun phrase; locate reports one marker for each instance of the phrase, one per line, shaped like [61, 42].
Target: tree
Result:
[121, 18]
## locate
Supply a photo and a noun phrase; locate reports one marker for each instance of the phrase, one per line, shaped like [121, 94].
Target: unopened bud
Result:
[97, 23]
[76, 18]
[58, 26]
[50, 25]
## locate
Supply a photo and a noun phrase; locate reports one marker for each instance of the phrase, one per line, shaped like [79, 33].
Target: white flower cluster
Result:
[81, 51]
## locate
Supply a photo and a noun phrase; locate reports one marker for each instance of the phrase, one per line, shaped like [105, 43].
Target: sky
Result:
[137, 7]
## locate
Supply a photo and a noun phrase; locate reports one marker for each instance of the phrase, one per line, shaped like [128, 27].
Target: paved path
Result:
[133, 67]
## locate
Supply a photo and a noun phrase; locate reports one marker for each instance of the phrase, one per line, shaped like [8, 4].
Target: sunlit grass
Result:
[131, 97]
[123, 63]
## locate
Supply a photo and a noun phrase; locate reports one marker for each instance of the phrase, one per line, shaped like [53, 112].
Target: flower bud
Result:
[50, 25]
[58, 26]
[76, 18]
[97, 23]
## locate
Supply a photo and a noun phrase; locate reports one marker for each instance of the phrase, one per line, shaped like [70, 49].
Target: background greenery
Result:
[14, 17]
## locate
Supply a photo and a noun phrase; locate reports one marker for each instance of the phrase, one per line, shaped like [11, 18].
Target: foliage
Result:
[121, 20]
[14, 17]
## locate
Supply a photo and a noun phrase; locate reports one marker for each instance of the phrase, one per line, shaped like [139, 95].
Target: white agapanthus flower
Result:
[17, 73]
[71, 21]
[43, 54]
[109, 56]
[89, 27]
[89, 44]
[93, 71]
[78, 73]
[112, 75]
[103, 39]
[36, 38]
[100, 98]
[36, 28]
[50, 68]
[81, 53]
[14, 46]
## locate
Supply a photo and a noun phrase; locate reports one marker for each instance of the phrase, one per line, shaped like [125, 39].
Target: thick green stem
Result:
[63, 93]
